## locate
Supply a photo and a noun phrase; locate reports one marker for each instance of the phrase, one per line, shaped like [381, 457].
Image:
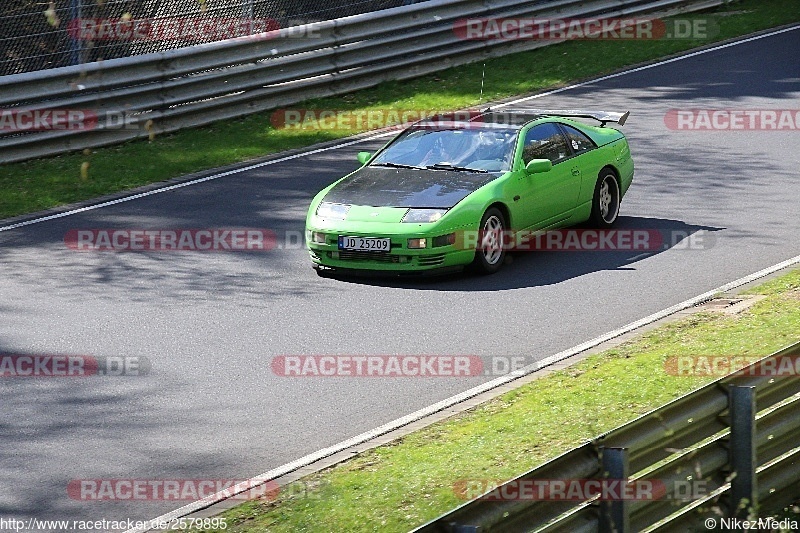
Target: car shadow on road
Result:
[537, 268]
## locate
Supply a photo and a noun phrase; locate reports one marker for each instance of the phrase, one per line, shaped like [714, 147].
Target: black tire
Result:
[606, 200]
[489, 260]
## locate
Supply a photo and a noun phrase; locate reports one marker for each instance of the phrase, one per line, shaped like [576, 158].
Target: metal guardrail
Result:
[144, 95]
[739, 435]
[41, 35]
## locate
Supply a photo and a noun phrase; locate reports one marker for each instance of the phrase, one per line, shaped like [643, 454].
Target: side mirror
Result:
[363, 157]
[537, 166]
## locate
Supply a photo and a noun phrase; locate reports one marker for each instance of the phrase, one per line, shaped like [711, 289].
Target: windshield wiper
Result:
[448, 166]
[396, 165]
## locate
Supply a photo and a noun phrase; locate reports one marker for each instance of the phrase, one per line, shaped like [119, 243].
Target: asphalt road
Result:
[210, 323]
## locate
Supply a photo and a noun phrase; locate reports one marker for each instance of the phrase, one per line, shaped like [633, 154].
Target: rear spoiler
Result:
[602, 116]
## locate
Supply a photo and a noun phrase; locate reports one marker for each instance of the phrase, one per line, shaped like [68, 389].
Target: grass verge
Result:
[41, 184]
[410, 481]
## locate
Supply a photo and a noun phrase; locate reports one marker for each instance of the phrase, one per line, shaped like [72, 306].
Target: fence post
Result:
[742, 452]
[614, 516]
[76, 45]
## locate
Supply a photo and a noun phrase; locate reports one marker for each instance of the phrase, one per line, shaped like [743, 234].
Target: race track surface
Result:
[210, 323]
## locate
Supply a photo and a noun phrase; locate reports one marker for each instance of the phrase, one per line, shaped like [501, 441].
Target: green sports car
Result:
[448, 190]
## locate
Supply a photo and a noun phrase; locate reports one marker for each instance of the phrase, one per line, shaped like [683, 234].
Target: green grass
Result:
[41, 184]
[401, 485]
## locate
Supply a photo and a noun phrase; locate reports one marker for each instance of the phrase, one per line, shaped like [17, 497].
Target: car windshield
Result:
[473, 149]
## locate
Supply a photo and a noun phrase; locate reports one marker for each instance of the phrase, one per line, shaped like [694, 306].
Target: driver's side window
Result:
[545, 141]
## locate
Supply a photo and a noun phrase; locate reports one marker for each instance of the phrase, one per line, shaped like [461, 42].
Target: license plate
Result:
[365, 244]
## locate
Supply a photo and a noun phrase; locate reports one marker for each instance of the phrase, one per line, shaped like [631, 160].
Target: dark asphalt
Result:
[209, 323]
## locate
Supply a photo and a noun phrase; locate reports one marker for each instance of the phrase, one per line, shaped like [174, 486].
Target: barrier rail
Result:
[139, 96]
[739, 435]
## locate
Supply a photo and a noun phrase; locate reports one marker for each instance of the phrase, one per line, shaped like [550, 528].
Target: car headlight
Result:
[333, 211]
[424, 215]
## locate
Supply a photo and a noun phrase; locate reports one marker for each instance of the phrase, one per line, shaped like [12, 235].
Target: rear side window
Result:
[577, 140]
[545, 141]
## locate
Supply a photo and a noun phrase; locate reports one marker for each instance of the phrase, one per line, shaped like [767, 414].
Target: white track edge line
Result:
[456, 399]
[649, 66]
[380, 135]
[192, 182]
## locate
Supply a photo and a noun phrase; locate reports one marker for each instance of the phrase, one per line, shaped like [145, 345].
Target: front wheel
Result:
[606, 200]
[491, 253]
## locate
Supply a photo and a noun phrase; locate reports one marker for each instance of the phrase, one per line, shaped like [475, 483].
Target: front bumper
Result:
[398, 259]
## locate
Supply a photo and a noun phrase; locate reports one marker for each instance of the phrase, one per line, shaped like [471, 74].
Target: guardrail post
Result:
[614, 516]
[742, 412]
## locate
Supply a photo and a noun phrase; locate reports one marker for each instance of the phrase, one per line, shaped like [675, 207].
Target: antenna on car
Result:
[483, 75]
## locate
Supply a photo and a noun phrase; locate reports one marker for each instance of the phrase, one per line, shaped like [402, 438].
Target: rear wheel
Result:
[606, 200]
[491, 253]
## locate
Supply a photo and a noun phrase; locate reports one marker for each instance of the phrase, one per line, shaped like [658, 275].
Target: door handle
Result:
[576, 171]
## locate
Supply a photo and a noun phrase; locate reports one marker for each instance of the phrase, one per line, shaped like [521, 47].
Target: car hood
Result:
[406, 187]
